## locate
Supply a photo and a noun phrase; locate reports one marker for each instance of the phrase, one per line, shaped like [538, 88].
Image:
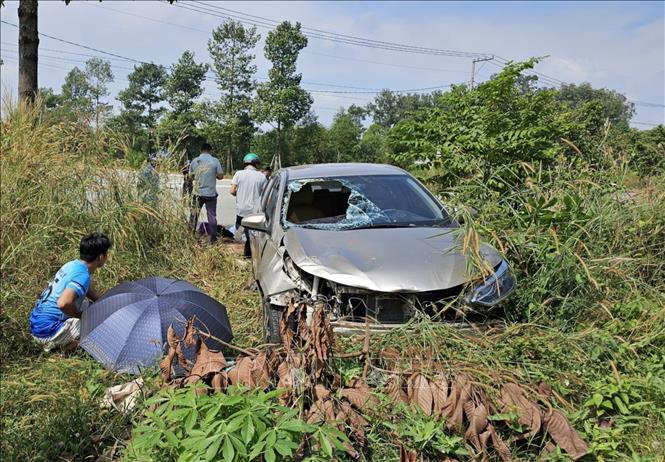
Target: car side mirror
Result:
[257, 222]
[472, 211]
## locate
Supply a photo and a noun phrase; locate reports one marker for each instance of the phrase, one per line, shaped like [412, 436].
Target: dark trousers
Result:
[248, 250]
[210, 203]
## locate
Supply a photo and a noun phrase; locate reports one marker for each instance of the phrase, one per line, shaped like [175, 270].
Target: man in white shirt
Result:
[206, 170]
[247, 186]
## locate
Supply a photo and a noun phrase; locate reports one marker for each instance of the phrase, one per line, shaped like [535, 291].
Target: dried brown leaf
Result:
[477, 417]
[190, 330]
[394, 390]
[260, 371]
[171, 337]
[420, 393]
[219, 381]
[453, 408]
[499, 445]
[320, 391]
[207, 362]
[241, 374]
[513, 398]
[439, 387]
[563, 434]
[407, 455]
[165, 364]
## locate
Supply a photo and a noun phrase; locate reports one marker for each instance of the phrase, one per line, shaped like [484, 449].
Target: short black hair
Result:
[205, 147]
[94, 245]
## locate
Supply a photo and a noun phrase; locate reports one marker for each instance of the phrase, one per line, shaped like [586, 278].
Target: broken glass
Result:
[359, 210]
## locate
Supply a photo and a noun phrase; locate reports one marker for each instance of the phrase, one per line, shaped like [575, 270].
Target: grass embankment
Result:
[588, 317]
[57, 187]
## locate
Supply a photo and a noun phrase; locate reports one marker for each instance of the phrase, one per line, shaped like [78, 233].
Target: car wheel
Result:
[271, 316]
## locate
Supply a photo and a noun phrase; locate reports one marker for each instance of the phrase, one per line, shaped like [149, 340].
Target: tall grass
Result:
[59, 183]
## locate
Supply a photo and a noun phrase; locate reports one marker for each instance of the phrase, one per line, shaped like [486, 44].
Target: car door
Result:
[268, 206]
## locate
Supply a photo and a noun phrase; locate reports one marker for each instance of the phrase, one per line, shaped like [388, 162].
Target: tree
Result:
[388, 108]
[28, 44]
[230, 48]
[345, 134]
[281, 101]
[479, 133]
[141, 98]
[98, 73]
[614, 107]
[75, 94]
[181, 90]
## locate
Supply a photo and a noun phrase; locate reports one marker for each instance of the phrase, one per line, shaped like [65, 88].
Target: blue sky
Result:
[619, 45]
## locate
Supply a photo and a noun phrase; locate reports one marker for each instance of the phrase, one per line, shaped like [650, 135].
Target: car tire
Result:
[271, 316]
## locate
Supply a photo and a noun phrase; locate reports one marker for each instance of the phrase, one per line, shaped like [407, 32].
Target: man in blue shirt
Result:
[55, 318]
[206, 170]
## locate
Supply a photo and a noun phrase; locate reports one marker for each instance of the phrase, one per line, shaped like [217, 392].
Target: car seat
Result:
[301, 206]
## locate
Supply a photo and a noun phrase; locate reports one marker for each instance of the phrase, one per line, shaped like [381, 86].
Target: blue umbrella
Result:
[126, 328]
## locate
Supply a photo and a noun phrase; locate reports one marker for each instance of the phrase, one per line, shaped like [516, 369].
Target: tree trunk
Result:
[28, 43]
[278, 147]
[97, 110]
[228, 158]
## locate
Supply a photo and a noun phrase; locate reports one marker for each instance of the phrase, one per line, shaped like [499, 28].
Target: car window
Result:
[361, 201]
[271, 199]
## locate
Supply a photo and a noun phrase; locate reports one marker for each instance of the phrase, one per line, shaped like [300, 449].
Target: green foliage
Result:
[141, 99]
[240, 425]
[472, 134]
[416, 431]
[388, 108]
[99, 74]
[181, 90]
[281, 100]
[610, 105]
[76, 97]
[231, 50]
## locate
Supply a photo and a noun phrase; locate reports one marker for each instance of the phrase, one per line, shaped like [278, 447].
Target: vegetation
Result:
[571, 195]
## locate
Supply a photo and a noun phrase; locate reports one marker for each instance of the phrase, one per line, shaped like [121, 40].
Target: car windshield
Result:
[354, 202]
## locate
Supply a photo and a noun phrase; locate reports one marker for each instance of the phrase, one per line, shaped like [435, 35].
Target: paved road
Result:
[225, 201]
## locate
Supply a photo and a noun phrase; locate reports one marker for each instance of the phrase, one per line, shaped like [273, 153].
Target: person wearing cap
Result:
[206, 170]
[247, 186]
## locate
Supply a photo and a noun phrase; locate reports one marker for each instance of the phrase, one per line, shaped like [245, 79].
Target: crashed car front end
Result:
[348, 306]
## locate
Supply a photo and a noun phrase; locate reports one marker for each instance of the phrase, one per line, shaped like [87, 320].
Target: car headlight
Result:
[495, 288]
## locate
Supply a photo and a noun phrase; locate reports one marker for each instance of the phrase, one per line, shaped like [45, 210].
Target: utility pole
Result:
[473, 67]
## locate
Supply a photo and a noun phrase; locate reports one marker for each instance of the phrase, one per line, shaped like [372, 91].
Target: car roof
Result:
[342, 169]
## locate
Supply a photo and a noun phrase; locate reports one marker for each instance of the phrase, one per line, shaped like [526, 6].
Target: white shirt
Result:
[250, 183]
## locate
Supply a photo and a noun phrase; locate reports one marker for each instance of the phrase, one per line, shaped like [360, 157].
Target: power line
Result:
[330, 36]
[81, 46]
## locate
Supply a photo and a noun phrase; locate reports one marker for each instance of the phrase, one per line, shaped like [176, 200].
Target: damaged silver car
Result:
[369, 241]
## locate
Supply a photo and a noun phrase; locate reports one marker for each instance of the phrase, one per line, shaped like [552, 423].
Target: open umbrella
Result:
[126, 328]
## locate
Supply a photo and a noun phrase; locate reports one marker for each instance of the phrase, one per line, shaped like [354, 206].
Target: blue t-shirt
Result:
[47, 317]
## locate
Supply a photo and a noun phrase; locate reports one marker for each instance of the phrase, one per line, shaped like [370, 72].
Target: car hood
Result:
[384, 259]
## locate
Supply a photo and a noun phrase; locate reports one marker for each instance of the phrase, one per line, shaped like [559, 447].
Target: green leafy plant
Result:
[241, 425]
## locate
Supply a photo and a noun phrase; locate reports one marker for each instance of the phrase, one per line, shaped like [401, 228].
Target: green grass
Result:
[588, 317]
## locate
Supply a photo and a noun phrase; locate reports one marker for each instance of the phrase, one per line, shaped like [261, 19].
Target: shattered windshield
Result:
[354, 202]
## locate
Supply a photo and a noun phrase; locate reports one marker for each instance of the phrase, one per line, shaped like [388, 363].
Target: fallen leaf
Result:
[207, 362]
[513, 398]
[394, 389]
[190, 330]
[563, 434]
[165, 364]
[453, 408]
[171, 337]
[499, 445]
[439, 393]
[219, 381]
[241, 374]
[477, 417]
[407, 455]
[420, 393]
